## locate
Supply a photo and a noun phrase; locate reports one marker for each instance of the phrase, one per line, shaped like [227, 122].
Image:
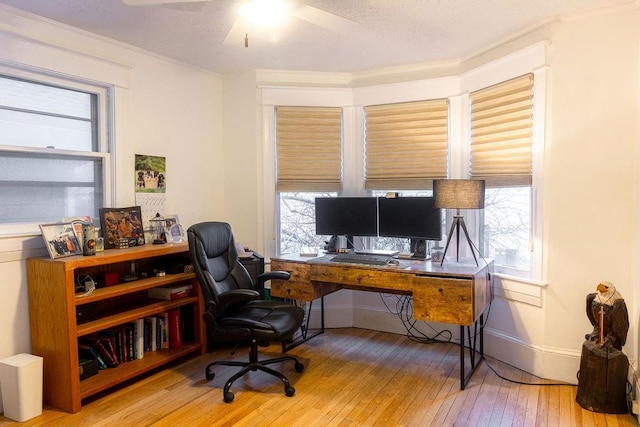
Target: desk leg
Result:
[473, 350]
[304, 337]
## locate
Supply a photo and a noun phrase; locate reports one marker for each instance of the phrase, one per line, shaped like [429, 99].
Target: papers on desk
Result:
[308, 251]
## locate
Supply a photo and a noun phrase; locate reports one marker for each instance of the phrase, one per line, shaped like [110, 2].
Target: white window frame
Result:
[528, 60]
[104, 94]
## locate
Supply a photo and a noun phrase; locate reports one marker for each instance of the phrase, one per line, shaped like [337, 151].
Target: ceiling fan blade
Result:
[158, 2]
[324, 19]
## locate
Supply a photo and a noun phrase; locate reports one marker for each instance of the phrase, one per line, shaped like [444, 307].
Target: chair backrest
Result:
[215, 259]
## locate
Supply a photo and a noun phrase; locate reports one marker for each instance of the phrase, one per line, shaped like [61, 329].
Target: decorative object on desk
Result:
[60, 239]
[121, 223]
[458, 194]
[602, 379]
[437, 254]
[157, 228]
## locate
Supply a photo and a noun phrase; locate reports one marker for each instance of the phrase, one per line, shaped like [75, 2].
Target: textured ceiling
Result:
[383, 33]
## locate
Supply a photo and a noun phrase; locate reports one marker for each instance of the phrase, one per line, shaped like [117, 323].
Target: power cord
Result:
[86, 282]
[404, 310]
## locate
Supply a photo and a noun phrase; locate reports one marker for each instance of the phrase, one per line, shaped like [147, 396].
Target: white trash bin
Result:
[21, 384]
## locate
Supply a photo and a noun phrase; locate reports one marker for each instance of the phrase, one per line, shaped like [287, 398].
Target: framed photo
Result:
[76, 222]
[174, 231]
[122, 225]
[60, 239]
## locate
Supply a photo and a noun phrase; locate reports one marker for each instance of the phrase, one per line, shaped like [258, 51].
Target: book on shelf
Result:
[152, 322]
[102, 346]
[175, 329]
[163, 330]
[137, 327]
[170, 292]
[110, 345]
[87, 351]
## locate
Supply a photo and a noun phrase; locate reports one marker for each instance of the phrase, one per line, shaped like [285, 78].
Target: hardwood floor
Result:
[353, 377]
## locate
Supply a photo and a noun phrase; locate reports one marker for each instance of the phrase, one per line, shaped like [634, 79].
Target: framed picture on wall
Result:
[60, 239]
[122, 227]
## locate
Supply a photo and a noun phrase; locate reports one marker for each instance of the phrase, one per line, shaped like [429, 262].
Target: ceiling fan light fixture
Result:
[266, 13]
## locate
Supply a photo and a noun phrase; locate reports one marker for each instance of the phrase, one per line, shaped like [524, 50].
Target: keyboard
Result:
[353, 258]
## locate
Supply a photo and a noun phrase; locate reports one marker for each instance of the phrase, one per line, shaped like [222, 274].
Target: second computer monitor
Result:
[352, 216]
[409, 217]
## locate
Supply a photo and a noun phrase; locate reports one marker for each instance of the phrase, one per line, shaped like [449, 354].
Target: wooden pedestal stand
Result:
[602, 382]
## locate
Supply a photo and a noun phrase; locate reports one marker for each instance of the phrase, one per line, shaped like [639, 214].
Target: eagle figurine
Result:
[608, 314]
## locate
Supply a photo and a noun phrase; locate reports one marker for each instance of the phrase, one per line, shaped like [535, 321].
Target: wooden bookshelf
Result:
[54, 330]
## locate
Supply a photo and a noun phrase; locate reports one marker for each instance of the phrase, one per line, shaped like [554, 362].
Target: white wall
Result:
[162, 108]
[591, 202]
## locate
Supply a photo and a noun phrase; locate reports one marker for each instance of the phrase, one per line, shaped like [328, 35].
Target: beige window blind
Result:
[501, 133]
[309, 149]
[406, 145]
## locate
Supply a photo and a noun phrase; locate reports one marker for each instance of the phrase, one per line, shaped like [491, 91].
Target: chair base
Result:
[254, 365]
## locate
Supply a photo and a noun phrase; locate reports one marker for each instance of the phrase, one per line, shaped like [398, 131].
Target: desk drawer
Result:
[373, 279]
[301, 291]
[443, 300]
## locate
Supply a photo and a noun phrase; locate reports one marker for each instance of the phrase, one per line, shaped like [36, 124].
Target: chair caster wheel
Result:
[209, 375]
[299, 367]
[228, 397]
[289, 391]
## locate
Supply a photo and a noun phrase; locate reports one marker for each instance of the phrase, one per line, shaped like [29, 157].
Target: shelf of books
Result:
[100, 320]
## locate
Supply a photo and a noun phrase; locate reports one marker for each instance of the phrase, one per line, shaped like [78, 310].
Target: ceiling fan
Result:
[245, 24]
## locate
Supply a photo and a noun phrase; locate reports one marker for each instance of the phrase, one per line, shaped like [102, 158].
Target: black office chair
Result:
[235, 307]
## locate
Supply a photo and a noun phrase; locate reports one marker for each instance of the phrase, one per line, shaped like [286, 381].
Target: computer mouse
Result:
[394, 262]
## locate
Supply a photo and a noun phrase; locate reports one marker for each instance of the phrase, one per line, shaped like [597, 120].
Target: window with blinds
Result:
[308, 149]
[501, 133]
[406, 145]
[51, 164]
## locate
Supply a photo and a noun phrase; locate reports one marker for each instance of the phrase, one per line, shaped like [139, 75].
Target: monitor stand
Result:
[330, 245]
[419, 248]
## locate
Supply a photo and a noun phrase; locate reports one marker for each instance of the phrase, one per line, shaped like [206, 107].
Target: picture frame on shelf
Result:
[122, 225]
[175, 231]
[60, 239]
[76, 222]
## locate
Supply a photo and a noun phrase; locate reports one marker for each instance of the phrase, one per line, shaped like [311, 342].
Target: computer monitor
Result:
[409, 217]
[348, 216]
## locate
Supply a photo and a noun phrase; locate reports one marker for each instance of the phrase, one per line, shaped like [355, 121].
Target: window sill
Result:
[518, 289]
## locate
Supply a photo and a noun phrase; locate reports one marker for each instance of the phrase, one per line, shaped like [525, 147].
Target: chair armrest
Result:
[227, 302]
[236, 297]
[272, 275]
[269, 275]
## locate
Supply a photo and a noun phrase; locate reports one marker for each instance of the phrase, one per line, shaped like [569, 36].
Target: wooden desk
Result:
[456, 293]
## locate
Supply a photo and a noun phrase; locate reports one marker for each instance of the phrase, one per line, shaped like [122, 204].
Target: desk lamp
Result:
[458, 194]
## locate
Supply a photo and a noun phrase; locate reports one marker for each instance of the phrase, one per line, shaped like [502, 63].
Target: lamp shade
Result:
[458, 193]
